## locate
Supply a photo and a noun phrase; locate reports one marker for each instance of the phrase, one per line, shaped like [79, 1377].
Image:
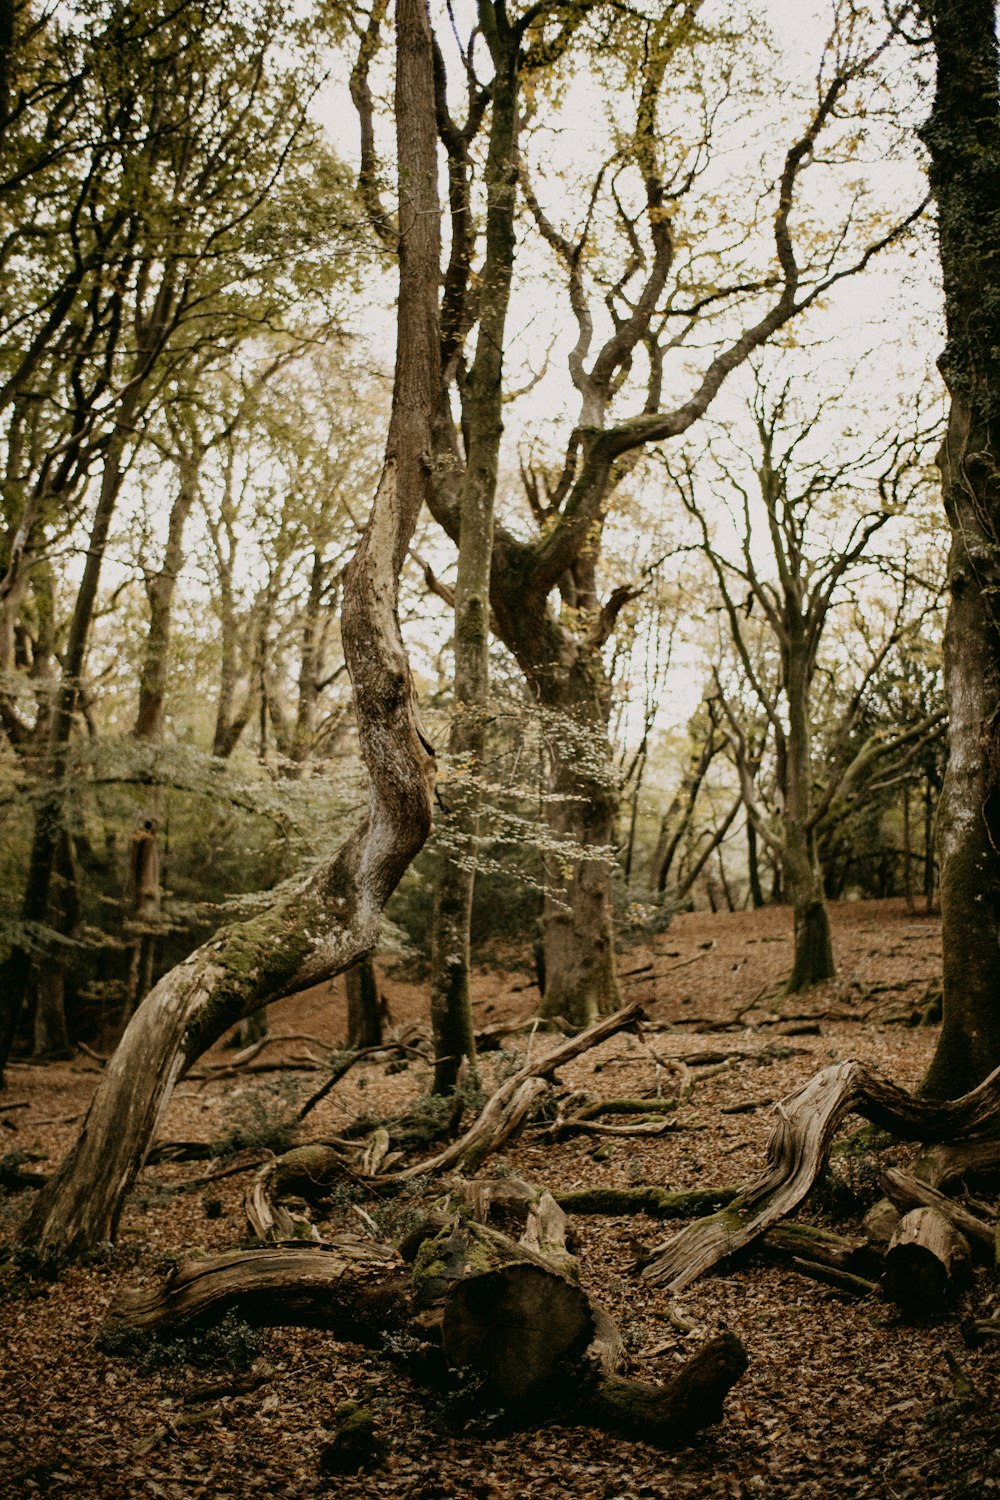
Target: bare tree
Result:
[779, 614]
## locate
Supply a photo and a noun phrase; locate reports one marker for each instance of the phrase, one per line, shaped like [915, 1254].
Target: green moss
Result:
[355, 1444]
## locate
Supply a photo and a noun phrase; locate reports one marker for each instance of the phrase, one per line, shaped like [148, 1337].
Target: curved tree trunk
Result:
[320, 925]
[963, 137]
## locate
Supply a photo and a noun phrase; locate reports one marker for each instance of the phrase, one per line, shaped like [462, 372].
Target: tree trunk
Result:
[581, 813]
[963, 138]
[318, 926]
[803, 886]
[753, 868]
[364, 1014]
[51, 1026]
[802, 877]
[482, 419]
[926, 1265]
[160, 590]
[15, 973]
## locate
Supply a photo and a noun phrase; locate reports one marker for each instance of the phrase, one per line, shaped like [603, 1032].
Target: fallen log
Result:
[821, 1246]
[926, 1265]
[472, 1304]
[908, 1192]
[351, 1288]
[797, 1152]
[953, 1163]
[514, 1101]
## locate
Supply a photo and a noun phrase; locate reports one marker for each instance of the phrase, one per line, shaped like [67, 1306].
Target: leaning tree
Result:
[319, 925]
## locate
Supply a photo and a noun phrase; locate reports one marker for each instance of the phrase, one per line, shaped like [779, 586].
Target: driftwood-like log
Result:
[506, 1111]
[351, 1288]
[909, 1193]
[797, 1152]
[926, 1264]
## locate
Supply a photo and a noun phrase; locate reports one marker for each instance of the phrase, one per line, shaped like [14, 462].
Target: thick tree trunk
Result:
[803, 884]
[316, 927]
[963, 137]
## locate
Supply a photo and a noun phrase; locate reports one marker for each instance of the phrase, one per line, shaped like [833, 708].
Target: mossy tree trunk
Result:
[963, 138]
[318, 926]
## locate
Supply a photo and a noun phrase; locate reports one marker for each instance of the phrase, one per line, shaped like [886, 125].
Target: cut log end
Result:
[514, 1326]
[927, 1264]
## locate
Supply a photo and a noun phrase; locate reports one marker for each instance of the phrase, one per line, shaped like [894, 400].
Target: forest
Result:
[499, 748]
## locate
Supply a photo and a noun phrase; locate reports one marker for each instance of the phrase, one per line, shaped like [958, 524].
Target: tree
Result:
[166, 257]
[317, 926]
[962, 137]
[641, 274]
[820, 522]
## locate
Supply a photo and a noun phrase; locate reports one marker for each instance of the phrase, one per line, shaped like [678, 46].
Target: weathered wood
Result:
[797, 1152]
[502, 1312]
[811, 1243]
[952, 1163]
[908, 1192]
[926, 1264]
[671, 1413]
[513, 1102]
[351, 1288]
[844, 1281]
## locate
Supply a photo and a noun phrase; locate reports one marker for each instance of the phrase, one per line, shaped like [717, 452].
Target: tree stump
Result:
[927, 1262]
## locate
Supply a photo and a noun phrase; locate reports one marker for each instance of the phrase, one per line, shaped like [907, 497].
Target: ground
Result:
[841, 1398]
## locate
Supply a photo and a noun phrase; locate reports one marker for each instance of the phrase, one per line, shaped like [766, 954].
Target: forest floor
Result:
[841, 1398]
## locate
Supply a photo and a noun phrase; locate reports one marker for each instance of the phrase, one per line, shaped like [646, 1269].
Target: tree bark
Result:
[963, 138]
[318, 926]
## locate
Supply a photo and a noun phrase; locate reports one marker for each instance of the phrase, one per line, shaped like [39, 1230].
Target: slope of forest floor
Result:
[841, 1398]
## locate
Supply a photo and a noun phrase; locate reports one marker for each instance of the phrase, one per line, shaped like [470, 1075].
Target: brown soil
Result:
[841, 1398]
